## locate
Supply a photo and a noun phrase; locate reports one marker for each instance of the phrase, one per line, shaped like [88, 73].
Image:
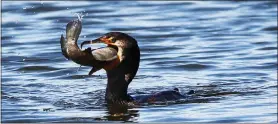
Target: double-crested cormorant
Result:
[120, 59]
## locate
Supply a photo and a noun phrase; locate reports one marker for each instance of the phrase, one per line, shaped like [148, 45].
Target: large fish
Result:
[97, 58]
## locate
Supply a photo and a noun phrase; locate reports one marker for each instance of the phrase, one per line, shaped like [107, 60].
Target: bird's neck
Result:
[120, 77]
[116, 90]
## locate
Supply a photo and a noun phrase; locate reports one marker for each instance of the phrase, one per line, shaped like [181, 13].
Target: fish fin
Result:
[93, 70]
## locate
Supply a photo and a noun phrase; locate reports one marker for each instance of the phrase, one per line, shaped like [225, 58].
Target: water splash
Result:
[79, 15]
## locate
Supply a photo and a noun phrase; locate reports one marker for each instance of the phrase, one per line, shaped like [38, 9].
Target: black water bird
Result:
[120, 59]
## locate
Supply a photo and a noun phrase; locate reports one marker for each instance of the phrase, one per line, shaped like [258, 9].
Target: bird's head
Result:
[123, 43]
[128, 53]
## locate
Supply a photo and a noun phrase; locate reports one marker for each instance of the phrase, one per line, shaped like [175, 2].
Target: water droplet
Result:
[24, 8]
[23, 60]
[67, 8]
[84, 36]
[78, 68]
[67, 73]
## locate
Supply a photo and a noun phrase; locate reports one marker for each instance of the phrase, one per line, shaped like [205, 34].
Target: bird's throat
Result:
[116, 90]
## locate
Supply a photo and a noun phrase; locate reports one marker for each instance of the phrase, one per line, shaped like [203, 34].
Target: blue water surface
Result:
[225, 51]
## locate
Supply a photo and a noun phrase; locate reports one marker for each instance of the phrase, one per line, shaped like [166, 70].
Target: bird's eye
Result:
[113, 40]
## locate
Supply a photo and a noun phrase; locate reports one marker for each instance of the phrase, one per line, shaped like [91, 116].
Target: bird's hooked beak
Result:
[103, 39]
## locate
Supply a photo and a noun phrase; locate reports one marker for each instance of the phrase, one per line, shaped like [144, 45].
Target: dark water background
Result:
[225, 51]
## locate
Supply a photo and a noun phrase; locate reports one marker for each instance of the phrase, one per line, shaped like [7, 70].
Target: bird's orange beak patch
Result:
[107, 41]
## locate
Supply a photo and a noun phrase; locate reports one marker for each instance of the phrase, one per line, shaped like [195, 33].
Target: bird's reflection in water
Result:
[112, 113]
[121, 113]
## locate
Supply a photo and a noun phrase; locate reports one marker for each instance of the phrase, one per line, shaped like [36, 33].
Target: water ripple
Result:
[36, 68]
[225, 51]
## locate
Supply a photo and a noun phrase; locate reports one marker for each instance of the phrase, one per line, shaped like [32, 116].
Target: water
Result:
[225, 51]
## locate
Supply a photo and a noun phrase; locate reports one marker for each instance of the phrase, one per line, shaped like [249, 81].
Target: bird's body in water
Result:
[120, 59]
